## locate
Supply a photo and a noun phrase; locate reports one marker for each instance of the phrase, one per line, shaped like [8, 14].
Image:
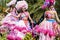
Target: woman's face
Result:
[51, 7]
[23, 9]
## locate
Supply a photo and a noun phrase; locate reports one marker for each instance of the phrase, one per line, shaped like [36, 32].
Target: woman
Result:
[21, 27]
[49, 25]
[23, 13]
[48, 28]
[9, 20]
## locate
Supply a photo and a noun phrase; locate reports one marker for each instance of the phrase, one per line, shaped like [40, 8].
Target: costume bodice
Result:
[13, 12]
[25, 14]
[49, 15]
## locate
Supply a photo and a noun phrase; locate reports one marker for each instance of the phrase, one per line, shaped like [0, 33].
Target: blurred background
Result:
[34, 9]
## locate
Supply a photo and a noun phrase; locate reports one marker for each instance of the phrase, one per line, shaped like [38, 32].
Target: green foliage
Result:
[28, 36]
[3, 37]
[34, 8]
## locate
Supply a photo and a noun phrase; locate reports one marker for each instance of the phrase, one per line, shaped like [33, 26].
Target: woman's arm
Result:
[44, 19]
[17, 15]
[30, 18]
[57, 18]
[7, 10]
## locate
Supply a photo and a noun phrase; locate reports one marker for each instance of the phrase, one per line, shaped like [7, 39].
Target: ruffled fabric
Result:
[11, 2]
[47, 28]
[21, 4]
[20, 30]
[9, 20]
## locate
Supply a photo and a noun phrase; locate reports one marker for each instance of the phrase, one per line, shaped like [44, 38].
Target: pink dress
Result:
[20, 29]
[9, 20]
[48, 26]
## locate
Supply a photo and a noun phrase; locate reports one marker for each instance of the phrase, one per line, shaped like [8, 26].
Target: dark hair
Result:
[20, 10]
[18, 0]
[50, 4]
[12, 6]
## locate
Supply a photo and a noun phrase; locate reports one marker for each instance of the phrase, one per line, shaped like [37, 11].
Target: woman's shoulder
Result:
[27, 12]
[50, 11]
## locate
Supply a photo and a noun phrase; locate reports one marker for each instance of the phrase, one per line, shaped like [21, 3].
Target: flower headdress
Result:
[12, 2]
[48, 3]
[21, 4]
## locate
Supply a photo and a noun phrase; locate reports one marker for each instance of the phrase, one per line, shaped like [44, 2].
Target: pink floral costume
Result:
[20, 28]
[9, 20]
[47, 27]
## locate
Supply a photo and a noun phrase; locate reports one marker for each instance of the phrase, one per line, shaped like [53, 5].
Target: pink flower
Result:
[10, 37]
